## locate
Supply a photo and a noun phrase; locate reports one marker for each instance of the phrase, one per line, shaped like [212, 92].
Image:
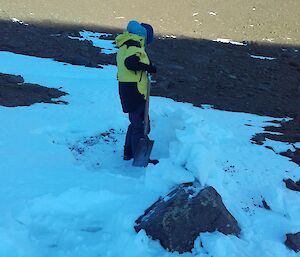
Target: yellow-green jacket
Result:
[132, 62]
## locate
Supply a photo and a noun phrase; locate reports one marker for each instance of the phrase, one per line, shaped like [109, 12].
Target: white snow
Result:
[18, 21]
[212, 13]
[76, 203]
[268, 39]
[229, 41]
[107, 45]
[170, 36]
[262, 57]
[279, 147]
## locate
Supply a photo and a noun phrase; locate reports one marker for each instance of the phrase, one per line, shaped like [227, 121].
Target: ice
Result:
[65, 190]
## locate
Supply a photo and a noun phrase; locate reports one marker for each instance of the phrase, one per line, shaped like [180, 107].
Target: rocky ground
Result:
[14, 92]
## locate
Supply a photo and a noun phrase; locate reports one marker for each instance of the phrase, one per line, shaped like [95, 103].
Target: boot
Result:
[154, 162]
[127, 154]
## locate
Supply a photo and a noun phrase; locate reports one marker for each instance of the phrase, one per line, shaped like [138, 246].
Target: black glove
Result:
[151, 68]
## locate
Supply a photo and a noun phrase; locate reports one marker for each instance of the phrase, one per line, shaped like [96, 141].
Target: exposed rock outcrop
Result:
[14, 92]
[177, 219]
[293, 241]
[290, 184]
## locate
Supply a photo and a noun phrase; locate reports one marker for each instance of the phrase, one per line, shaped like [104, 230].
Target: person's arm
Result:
[133, 63]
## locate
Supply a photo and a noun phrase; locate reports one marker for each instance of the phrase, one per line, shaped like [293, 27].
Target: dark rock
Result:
[294, 156]
[178, 219]
[11, 79]
[259, 138]
[290, 184]
[79, 60]
[265, 205]
[270, 148]
[293, 64]
[293, 241]
[289, 153]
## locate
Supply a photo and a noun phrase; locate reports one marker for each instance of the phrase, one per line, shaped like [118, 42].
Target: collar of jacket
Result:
[132, 43]
[126, 36]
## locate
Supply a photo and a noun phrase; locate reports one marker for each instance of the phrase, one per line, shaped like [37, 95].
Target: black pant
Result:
[135, 129]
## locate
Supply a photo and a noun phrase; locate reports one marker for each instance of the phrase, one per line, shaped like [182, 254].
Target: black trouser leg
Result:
[137, 126]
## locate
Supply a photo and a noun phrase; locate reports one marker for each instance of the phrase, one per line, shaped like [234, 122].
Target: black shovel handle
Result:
[146, 114]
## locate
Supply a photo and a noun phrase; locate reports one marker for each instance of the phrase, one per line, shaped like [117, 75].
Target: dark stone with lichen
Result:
[178, 219]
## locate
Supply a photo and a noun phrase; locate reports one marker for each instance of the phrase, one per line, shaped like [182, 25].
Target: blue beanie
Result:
[136, 28]
[150, 33]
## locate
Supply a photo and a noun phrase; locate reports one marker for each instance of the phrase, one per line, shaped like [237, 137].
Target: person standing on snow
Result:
[133, 65]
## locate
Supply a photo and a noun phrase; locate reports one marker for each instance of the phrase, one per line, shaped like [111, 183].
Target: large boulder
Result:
[178, 219]
[293, 241]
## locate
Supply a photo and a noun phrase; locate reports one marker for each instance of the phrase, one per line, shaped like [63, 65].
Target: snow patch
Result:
[107, 46]
[262, 57]
[278, 147]
[229, 41]
[19, 21]
[212, 13]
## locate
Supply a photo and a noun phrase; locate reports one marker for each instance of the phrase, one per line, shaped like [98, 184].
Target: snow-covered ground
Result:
[66, 192]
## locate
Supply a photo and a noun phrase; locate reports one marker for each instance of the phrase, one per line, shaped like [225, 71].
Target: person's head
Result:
[150, 33]
[136, 28]
[141, 29]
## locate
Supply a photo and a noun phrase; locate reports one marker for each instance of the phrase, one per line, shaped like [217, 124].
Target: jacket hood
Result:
[150, 33]
[122, 38]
